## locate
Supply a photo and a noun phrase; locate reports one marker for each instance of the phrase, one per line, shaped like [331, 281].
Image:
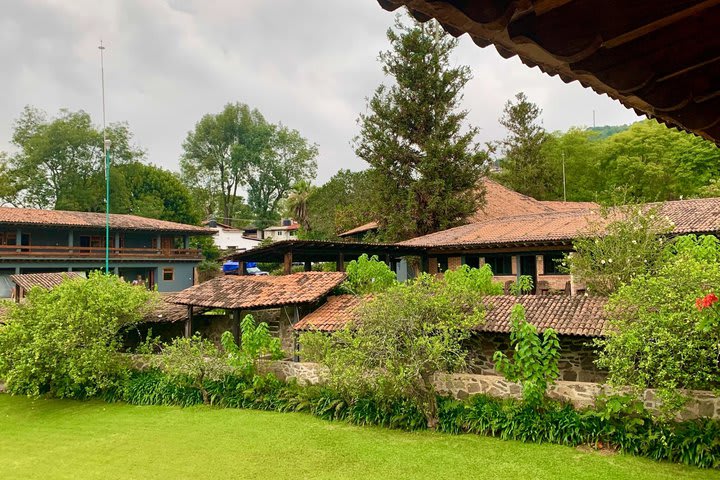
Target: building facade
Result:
[230, 238]
[153, 252]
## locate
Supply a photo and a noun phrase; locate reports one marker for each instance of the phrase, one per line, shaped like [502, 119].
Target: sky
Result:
[309, 64]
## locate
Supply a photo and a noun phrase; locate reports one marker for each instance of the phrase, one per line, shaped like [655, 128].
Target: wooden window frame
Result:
[494, 260]
[171, 270]
[550, 267]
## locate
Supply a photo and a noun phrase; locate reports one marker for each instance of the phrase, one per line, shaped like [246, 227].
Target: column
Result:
[287, 263]
[236, 326]
[340, 264]
[186, 241]
[188, 322]
[18, 240]
[308, 266]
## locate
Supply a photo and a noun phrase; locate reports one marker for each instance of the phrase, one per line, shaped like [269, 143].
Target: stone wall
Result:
[462, 385]
[576, 363]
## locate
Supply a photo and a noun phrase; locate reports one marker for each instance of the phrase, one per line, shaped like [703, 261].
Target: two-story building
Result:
[286, 231]
[154, 252]
[228, 237]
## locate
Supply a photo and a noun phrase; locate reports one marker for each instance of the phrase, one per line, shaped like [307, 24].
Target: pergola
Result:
[660, 58]
[288, 252]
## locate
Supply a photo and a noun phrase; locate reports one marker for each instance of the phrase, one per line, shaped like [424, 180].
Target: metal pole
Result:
[106, 147]
[564, 188]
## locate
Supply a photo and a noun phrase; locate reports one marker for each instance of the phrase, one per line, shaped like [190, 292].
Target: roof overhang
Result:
[323, 251]
[659, 58]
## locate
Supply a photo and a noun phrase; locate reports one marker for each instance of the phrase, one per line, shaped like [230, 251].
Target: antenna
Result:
[593, 118]
[102, 82]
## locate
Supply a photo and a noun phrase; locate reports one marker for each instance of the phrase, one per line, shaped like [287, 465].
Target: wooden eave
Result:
[660, 58]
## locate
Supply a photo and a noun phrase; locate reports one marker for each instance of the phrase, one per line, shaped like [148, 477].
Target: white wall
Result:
[233, 239]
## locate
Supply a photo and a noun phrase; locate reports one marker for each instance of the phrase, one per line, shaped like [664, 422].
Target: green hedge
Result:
[616, 423]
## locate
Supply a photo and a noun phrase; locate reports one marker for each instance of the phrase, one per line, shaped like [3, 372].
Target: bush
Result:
[256, 342]
[368, 275]
[64, 342]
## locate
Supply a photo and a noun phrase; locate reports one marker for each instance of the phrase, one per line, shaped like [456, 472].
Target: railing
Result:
[39, 251]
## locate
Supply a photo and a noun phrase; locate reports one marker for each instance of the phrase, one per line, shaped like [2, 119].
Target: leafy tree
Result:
[155, 193]
[344, 202]
[369, 275]
[221, 149]
[525, 168]
[402, 338]
[534, 362]
[288, 160]
[414, 136]
[61, 163]
[656, 336]
[64, 342]
[256, 342]
[581, 151]
[624, 243]
[191, 362]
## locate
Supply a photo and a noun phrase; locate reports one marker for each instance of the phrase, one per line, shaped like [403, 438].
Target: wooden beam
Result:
[188, 322]
[287, 263]
[241, 268]
[236, 326]
[308, 266]
[340, 264]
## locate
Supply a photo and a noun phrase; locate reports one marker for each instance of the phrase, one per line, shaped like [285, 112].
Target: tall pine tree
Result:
[428, 165]
[525, 168]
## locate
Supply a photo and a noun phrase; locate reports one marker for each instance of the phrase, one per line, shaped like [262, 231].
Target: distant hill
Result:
[607, 130]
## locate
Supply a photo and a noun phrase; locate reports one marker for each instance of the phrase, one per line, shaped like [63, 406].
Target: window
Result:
[552, 263]
[10, 239]
[442, 264]
[472, 261]
[292, 233]
[500, 264]
[168, 274]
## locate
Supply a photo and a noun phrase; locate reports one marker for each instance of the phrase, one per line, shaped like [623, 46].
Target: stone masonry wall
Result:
[462, 385]
[576, 363]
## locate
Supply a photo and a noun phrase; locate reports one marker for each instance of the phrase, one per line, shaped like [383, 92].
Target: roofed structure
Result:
[368, 227]
[658, 58]
[558, 228]
[26, 281]
[61, 218]
[233, 292]
[576, 316]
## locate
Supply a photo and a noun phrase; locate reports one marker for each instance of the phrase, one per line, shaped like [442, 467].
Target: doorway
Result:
[528, 266]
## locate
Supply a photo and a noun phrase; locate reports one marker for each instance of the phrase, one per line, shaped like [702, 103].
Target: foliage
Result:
[656, 339]
[60, 162]
[368, 275]
[297, 203]
[256, 342]
[64, 342]
[427, 163]
[190, 362]
[207, 247]
[625, 242]
[534, 363]
[522, 286]
[343, 202]
[401, 339]
[524, 167]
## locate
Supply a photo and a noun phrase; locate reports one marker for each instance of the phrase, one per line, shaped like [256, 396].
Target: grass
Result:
[68, 439]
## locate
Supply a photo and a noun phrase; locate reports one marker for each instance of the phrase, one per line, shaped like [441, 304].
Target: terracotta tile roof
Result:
[576, 315]
[44, 280]
[247, 291]
[688, 216]
[501, 202]
[361, 229]
[60, 218]
[560, 206]
[568, 315]
[332, 315]
[166, 312]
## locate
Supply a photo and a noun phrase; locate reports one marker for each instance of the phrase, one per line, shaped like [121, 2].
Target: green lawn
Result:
[66, 439]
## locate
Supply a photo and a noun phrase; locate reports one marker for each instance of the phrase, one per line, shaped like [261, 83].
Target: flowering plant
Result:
[711, 314]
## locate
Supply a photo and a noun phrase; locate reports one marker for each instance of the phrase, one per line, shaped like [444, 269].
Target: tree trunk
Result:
[431, 406]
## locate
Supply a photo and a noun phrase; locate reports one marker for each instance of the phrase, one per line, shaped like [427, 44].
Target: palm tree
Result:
[297, 203]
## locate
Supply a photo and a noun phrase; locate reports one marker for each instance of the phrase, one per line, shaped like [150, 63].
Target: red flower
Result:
[706, 301]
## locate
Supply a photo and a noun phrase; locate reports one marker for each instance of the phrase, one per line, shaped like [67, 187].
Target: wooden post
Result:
[424, 264]
[288, 263]
[241, 268]
[308, 266]
[236, 326]
[340, 262]
[188, 322]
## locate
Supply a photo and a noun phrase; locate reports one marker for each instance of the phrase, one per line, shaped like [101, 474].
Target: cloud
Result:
[307, 64]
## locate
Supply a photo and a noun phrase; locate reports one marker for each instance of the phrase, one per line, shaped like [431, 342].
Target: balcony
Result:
[41, 252]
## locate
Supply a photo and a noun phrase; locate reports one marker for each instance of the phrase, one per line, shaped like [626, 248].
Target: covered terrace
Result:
[308, 252]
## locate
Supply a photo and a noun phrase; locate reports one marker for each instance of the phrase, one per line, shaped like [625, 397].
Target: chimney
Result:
[286, 222]
[212, 223]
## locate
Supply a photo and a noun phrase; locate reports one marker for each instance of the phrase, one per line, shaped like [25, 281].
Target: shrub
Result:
[368, 275]
[403, 337]
[255, 343]
[64, 342]
[656, 337]
[534, 361]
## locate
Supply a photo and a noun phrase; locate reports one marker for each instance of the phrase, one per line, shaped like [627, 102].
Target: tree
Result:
[256, 342]
[656, 337]
[580, 150]
[219, 152]
[524, 167]
[403, 337]
[297, 203]
[368, 275]
[624, 243]
[61, 163]
[64, 342]
[289, 159]
[152, 192]
[414, 136]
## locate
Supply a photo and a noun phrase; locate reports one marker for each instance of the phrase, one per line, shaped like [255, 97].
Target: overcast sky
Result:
[309, 64]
